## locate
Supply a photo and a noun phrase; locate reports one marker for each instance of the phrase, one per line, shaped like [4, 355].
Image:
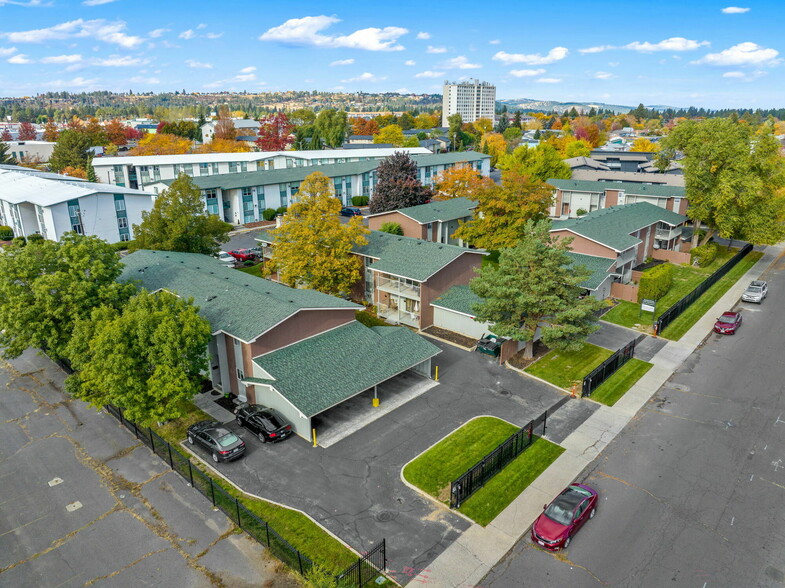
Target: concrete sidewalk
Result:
[477, 550]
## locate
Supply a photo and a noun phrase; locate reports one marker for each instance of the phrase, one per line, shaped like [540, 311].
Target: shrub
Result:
[703, 255]
[249, 263]
[656, 282]
[35, 238]
[359, 200]
[581, 211]
[19, 241]
[369, 319]
[268, 214]
[123, 245]
[392, 228]
[281, 210]
[6, 233]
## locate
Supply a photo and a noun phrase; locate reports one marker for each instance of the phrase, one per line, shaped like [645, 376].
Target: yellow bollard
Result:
[376, 402]
[437, 373]
[314, 437]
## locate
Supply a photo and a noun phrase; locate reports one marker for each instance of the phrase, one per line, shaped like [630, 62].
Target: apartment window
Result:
[211, 201]
[119, 203]
[122, 223]
[125, 237]
[176, 169]
[144, 173]
[119, 179]
[204, 169]
[283, 195]
[260, 198]
[188, 169]
[232, 167]
[243, 166]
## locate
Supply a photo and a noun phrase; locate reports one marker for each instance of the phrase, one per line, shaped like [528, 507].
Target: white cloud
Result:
[78, 82]
[198, 64]
[308, 31]
[734, 10]
[248, 69]
[598, 49]
[213, 35]
[744, 77]
[526, 73]
[429, 74]
[20, 59]
[671, 44]
[248, 77]
[100, 29]
[143, 80]
[365, 77]
[119, 61]
[96, 2]
[408, 62]
[62, 59]
[494, 42]
[28, 4]
[404, 91]
[603, 75]
[155, 33]
[734, 74]
[342, 62]
[187, 35]
[7, 51]
[548, 81]
[423, 36]
[460, 62]
[201, 26]
[741, 55]
[432, 49]
[555, 54]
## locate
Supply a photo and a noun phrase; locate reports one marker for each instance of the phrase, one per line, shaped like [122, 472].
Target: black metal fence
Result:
[608, 367]
[366, 568]
[674, 311]
[478, 475]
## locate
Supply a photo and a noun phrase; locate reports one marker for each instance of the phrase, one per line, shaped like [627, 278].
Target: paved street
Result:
[84, 503]
[692, 490]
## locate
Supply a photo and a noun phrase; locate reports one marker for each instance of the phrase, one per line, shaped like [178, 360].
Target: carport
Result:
[351, 363]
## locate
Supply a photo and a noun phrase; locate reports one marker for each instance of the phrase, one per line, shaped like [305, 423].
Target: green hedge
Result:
[656, 282]
[369, 319]
[268, 214]
[704, 254]
[359, 200]
[392, 228]
[6, 233]
[281, 210]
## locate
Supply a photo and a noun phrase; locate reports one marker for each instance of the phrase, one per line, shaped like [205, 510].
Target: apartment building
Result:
[436, 221]
[471, 99]
[572, 197]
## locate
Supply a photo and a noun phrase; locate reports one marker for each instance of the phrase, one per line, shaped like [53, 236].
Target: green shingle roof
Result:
[452, 157]
[409, 258]
[612, 226]
[598, 266]
[458, 299]
[447, 210]
[633, 188]
[322, 371]
[232, 301]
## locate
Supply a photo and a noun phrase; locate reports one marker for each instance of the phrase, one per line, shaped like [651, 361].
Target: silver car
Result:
[755, 292]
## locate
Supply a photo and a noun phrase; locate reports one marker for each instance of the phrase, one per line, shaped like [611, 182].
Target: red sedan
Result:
[243, 254]
[728, 323]
[562, 518]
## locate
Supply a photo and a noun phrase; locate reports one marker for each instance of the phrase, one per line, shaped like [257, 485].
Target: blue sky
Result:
[702, 53]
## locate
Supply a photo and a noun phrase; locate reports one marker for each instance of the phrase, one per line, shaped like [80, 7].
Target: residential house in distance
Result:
[245, 127]
[290, 349]
[597, 175]
[572, 196]
[401, 275]
[436, 221]
[585, 163]
[629, 161]
[51, 205]
[625, 234]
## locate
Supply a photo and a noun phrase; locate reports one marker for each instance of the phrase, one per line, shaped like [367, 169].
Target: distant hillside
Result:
[551, 105]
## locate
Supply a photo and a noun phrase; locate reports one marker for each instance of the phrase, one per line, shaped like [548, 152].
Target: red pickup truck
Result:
[243, 254]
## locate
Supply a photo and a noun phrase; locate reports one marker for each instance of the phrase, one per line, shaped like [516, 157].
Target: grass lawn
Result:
[433, 471]
[685, 279]
[254, 270]
[300, 531]
[562, 368]
[615, 387]
[697, 309]
[485, 504]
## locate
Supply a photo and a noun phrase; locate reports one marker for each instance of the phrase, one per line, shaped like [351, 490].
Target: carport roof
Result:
[598, 266]
[446, 210]
[318, 373]
[458, 299]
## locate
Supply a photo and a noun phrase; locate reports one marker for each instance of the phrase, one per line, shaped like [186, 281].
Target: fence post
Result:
[267, 528]
[212, 490]
[136, 431]
[152, 440]
[169, 447]
[300, 562]
[545, 420]
[237, 504]
[190, 473]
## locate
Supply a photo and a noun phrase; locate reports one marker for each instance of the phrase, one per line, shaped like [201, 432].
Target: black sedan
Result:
[267, 424]
[217, 439]
[351, 211]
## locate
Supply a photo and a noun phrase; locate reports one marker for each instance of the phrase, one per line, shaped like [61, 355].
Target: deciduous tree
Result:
[397, 185]
[27, 132]
[535, 286]
[179, 221]
[540, 163]
[461, 181]
[224, 127]
[6, 136]
[313, 248]
[425, 121]
[147, 358]
[161, 144]
[330, 126]
[494, 145]
[275, 132]
[392, 134]
[483, 125]
[50, 132]
[577, 149]
[115, 132]
[223, 146]
[643, 144]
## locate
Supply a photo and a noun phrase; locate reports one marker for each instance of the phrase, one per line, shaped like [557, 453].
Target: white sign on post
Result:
[648, 305]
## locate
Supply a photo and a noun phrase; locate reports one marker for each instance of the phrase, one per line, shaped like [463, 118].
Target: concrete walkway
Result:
[466, 561]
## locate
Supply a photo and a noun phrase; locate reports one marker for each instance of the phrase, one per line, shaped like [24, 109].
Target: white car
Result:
[226, 259]
[755, 292]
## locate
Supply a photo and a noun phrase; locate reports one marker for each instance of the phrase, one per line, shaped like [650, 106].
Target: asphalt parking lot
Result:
[84, 503]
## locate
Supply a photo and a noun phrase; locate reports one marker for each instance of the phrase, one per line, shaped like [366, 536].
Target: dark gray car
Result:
[217, 439]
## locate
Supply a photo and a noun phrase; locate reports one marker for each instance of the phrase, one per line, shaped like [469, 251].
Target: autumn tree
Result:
[502, 211]
[275, 132]
[74, 172]
[313, 248]
[494, 145]
[536, 287]
[734, 177]
[455, 132]
[50, 132]
[179, 221]
[161, 144]
[27, 132]
[95, 132]
[425, 121]
[392, 134]
[540, 163]
[397, 185]
[224, 127]
[6, 136]
[223, 146]
[483, 125]
[153, 370]
[577, 149]
[71, 150]
[645, 145]
[115, 132]
[461, 181]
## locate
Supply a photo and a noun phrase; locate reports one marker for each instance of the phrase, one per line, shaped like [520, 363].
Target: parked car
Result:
[222, 444]
[243, 254]
[351, 211]
[264, 422]
[226, 259]
[728, 323]
[756, 291]
[563, 517]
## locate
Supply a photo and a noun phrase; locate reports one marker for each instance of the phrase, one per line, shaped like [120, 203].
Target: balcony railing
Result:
[395, 314]
[395, 286]
[667, 234]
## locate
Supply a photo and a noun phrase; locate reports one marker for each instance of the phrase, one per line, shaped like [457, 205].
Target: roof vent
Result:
[226, 277]
[209, 298]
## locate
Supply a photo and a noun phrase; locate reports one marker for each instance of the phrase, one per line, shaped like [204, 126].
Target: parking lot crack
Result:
[121, 570]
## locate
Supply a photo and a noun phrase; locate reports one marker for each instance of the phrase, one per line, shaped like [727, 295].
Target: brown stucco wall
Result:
[628, 292]
[305, 323]
[411, 228]
[611, 198]
[583, 245]
[672, 256]
[457, 273]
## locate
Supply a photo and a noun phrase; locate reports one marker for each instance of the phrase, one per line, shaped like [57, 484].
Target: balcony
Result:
[396, 286]
[667, 234]
[395, 314]
[625, 257]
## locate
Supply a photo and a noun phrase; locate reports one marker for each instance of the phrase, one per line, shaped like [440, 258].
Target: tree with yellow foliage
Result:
[483, 125]
[161, 144]
[461, 181]
[643, 144]
[494, 145]
[313, 248]
[223, 146]
[392, 134]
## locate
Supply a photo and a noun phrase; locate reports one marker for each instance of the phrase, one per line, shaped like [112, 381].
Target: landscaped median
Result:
[434, 470]
[565, 369]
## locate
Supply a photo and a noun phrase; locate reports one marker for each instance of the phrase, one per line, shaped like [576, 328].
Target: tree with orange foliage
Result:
[163, 144]
[461, 181]
[364, 126]
[275, 132]
[224, 128]
[74, 172]
[50, 132]
[27, 132]
[494, 145]
[75, 124]
[223, 146]
[115, 132]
